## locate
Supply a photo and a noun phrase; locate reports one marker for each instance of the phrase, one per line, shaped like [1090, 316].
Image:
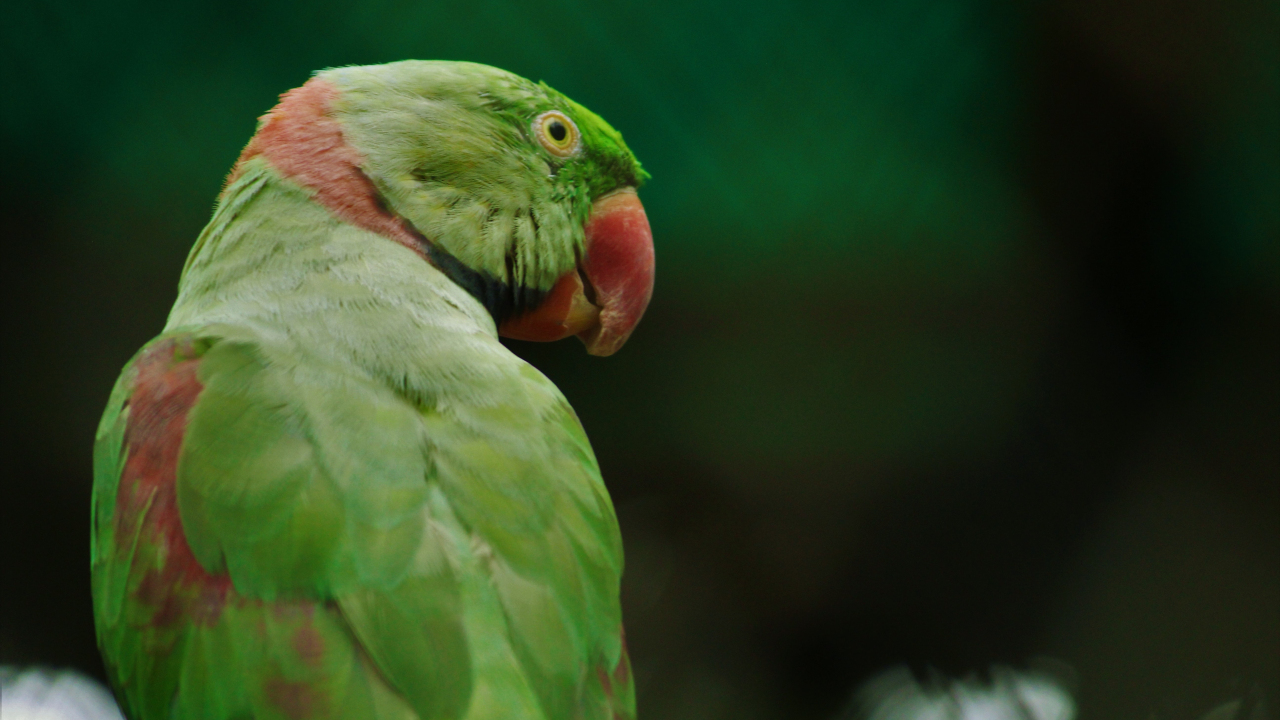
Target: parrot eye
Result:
[557, 133]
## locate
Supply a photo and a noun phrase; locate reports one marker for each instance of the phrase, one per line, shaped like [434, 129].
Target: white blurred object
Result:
[1249, 707]
[38, 694]
[1011, 695]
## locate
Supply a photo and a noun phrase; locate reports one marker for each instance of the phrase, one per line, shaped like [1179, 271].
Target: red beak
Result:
[618, 273]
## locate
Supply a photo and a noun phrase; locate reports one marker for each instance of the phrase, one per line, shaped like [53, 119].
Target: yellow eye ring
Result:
[557, 133]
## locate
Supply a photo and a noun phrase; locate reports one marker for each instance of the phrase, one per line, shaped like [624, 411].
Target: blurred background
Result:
[963, 348]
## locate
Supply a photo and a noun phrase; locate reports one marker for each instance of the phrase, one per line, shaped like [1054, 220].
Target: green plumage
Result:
[449, 150]
[388, 514]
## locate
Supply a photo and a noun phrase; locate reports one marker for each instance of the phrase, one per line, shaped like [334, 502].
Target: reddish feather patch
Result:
[173, 584]
[297, 700]
[302, 141]
[308, 643]
[620, 677]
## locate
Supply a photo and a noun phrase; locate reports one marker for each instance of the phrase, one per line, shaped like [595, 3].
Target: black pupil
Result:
[557, 130]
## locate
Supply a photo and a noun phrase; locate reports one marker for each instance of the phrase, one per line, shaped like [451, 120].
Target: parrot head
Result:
[518, 194]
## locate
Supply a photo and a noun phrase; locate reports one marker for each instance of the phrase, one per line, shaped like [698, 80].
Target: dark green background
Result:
[963, 348]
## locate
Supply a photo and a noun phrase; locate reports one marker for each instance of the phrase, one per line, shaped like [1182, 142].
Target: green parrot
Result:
[326, 489]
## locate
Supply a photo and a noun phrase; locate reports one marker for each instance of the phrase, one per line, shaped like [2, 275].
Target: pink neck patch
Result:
[305, 144]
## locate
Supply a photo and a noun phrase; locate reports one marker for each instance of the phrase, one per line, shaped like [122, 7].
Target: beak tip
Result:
[598, 347]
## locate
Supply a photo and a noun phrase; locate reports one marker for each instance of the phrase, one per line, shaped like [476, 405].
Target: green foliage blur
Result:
[962, 351]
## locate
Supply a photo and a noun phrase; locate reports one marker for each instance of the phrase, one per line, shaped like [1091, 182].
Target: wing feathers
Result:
[349, 554]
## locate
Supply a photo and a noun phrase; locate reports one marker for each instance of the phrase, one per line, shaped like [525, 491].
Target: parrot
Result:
[326, 489]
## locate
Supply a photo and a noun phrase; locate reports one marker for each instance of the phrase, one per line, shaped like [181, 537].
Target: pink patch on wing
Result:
[309, 644]
[304, 143]
[296, 699]
[174, 586]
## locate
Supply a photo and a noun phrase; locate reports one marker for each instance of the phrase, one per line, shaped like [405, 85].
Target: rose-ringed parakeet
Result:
[326, 490]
